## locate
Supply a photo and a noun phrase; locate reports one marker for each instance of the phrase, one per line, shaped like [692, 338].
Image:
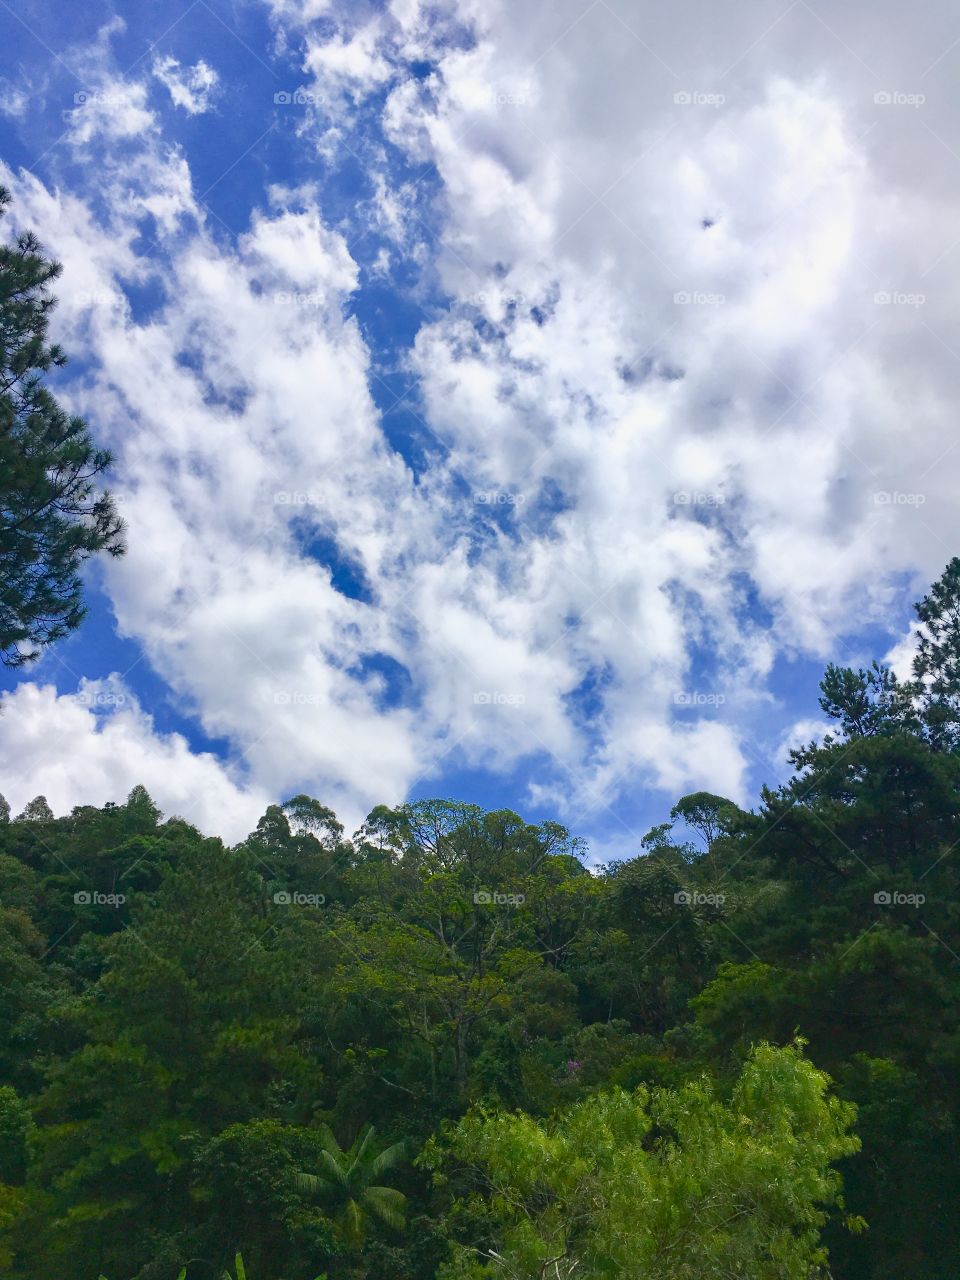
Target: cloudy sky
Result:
[515, 402]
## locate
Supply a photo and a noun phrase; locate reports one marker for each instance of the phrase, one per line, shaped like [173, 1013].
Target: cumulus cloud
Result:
[685, 373]
[94, 746]
[688, 294]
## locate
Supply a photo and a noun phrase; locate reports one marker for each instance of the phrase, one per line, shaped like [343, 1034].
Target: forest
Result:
[447, 1047]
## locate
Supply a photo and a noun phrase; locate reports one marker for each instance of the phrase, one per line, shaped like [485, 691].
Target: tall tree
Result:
[937, 663]
[53, 515]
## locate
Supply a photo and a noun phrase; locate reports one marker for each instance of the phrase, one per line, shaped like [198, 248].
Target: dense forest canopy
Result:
[445, 1047]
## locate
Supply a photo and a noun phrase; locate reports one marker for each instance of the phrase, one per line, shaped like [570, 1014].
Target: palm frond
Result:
[309, 1184]
[353, 1216]
[386, 1159]
[358, 1150]
[387, 1204]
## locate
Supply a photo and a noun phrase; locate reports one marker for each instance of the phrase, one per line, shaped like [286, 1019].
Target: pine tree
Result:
[53, 516]
[937, 664]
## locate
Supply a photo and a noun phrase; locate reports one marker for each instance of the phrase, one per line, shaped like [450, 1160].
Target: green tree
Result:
[52, 514]
[936, 666]
[660, 1184]
[37, 810]
[347, 1182]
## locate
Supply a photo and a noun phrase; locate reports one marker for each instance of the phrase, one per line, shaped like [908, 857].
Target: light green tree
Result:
[662, 1184]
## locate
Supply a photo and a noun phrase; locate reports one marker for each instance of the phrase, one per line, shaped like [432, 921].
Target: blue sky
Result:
[516, 407]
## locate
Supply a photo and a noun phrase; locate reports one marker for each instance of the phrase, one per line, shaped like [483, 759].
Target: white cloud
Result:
[192, 88]
[801, 734]
[350, 66]
[112, 109]
[94, 746]
[15, 100]
[664, 356]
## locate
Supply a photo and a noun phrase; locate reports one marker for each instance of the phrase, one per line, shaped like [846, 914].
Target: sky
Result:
[517, 403]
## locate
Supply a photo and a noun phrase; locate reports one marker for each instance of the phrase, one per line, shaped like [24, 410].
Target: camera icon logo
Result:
[882, 898]
[283, 99]
[682, 898]
[482, 898]
[83, 898]
[282, 898]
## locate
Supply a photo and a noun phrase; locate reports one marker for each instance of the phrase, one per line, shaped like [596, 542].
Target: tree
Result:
[937, 663]
[38, 810]
[346, 1182]
[15, 1126]
[660, 1184]
[53, 516]
[708, 815]
[867, 702]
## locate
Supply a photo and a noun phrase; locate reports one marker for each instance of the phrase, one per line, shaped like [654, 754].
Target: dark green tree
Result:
[53, 515]
[936, 666]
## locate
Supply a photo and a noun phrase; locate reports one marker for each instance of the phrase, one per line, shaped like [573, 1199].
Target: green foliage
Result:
[345, 1181]
[184, 1027]
[662, 1184]
[52, 517]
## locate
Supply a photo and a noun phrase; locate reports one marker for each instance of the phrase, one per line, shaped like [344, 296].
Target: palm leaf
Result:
[353, 1216]
[329, 1142]
[387, 1204]
[316, 1186]
[386, 1160]
[358, 1150]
